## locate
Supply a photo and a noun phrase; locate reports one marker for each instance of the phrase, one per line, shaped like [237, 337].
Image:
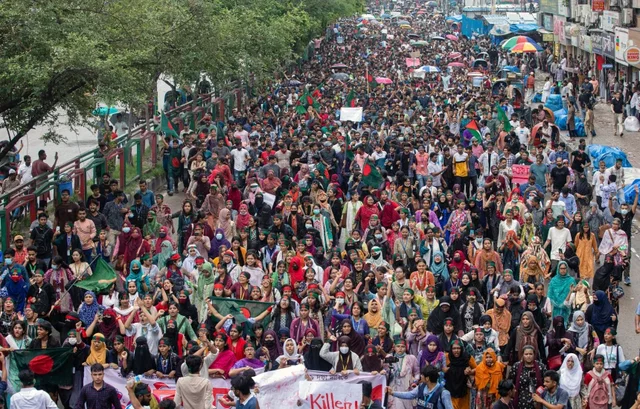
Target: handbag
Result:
[555, 362]
[617, 292]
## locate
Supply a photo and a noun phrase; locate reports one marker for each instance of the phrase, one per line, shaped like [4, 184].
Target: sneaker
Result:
[627, 281]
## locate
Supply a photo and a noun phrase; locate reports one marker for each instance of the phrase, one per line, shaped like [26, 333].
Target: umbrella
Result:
[418, 43]
[385, 16]
[456, 64]
[104, 110]
[429, 68]
[340, 76]
[384, 80]
[432, 4]
[413, 35]
[513, 41]
[403, 23]
[405, 26]
[483, 55]
[339, 65]
[474, 74]
[437, 38]
[511, 68]
[455, 55]
[525, 48]
[451, 37]
[479, 62]
[292, 83]
[421, 12]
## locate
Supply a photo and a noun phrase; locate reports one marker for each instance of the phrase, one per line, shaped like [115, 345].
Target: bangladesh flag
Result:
[371, 80]
[474, 130]
[51, 366]
[240, 309]
[502, 117]
[307, 99]
[370, 175]
[347, 142]
[167, 127]
[103, 276]
[351, 100]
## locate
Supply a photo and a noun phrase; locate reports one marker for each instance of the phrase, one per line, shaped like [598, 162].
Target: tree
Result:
[65, 56]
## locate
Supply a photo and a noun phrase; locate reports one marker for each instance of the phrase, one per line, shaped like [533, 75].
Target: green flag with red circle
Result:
[51, 366]
[371, 175]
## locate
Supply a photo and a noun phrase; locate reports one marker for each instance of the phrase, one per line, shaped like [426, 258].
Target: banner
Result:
[279, 389]
[351, 114]
[327, 395]
[412, 62]
[519, 174]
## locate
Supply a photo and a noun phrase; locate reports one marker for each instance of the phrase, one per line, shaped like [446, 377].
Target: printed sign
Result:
[351, 114]
[632, 55]
[519, 174]
[597, 5]
[328, 395]
[608, 45]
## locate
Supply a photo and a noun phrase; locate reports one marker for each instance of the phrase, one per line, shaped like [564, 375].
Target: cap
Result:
[175, 257]
[500, 302]
[18, 237]
[12, 171]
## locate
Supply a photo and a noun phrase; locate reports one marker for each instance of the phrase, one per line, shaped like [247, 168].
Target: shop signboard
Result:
[608, 45]
[547, 37]
[596, 44]
[621, 44]
[549, 6]
[632, 55]
[610, 20]
[547, 22]
[558, 30]
[597, 5]
[585, 43]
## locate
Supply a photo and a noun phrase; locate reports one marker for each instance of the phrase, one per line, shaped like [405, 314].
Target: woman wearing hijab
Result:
[600, 314]
[136, 246]
[435, 323]
[365, 213]
[344, 360]
[511, 249]
[559, 288]
[558, 342]
[98, 351]
[488, 376]
[89, 308]
[290, 355]
[225, 360]
[460, 365]
[571, 379]
[356, 341]
[204, 288]
[143, 362]
[135, 274]
[164, 247]
[312, 359]
[218, 241]
[225, 223]
[244, 218]
[440, 272]
[433, 354]
[527, 375]
[527, 333]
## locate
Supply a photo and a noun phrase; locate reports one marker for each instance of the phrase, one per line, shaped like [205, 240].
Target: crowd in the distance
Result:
[464, 288]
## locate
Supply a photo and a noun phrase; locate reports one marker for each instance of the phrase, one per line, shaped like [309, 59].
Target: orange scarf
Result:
[489, 376]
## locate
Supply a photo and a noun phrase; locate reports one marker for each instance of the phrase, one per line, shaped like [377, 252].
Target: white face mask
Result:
[72, 341]
[344, 350]
[340, 301]
[179, 264]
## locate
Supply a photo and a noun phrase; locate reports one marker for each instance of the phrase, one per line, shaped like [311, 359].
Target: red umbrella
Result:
[339, 65]
[456, 64]
[451, 37]
[455, 55]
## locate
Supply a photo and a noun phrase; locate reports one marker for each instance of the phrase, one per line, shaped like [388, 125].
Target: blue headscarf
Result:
[441, 267]
[88, 312]
[559, 287]
[137, 277]
[602, 312]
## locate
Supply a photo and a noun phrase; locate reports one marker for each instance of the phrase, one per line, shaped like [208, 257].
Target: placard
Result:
[329, 395]
[351, 114]
[519, 174]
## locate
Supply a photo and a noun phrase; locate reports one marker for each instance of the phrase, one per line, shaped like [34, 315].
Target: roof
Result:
[495, 19]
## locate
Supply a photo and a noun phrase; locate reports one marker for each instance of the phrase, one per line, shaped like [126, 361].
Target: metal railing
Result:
[87, 168]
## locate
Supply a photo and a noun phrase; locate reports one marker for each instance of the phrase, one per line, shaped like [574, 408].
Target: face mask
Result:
[378, 236]
[219, 236]
[243, 212]
[8, 261]
[316, 211]
[72, 341]
[131, 215]
[135, 270]
[456, 258]
[182, 300]
[55, 267]
[253, 189]
[308, 226]
[126, 229]
[269, 342]
[15, 279]
[340, 301]
[163, 235]
[179, 264]
[344, 350]
[624, 212]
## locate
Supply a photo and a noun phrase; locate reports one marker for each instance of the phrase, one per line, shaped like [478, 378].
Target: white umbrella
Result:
[429, 68]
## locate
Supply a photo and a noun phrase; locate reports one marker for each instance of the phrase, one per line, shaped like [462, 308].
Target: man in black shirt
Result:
[41, 238]
[626, 217]
[617, 106]
[560, 175]
[506, 390]
[580, 159]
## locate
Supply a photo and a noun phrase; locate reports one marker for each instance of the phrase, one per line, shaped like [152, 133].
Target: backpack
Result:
[599, 393]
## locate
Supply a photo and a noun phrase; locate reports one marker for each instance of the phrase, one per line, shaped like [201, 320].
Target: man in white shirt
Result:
[120, 126]
[558, 238]
[599, 177]
[24, 171]
[435, 170]
[29, 396]
[241, 158]
[242, 135]
[487, 159]
[523, 133]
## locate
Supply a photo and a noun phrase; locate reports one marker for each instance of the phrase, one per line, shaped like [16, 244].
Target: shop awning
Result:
[495, 20]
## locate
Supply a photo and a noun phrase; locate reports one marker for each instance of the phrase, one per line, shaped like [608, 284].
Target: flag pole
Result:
[75, 280]
[366, 77]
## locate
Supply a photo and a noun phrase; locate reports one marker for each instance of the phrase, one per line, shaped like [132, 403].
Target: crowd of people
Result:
[465, 288]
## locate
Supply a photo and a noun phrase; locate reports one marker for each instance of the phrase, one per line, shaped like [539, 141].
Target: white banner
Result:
[329, 395]
[351, 114]
[278, 389]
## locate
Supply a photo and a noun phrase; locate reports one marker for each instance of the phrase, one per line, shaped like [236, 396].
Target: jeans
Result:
[238, 176]
[165, 166]
[88, 255]
[422, 180]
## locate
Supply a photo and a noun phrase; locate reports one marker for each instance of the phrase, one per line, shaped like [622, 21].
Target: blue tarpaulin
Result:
[457, 18]
[630, 192]
[608, 154]
[471, 26]
[554, 102]
[523, 28]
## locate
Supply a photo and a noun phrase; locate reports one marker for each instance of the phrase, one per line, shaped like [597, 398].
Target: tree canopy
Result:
[63, 56]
